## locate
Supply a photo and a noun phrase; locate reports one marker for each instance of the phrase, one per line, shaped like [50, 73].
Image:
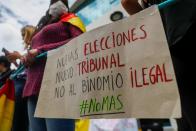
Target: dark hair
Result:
[5, 61]
[43, 21]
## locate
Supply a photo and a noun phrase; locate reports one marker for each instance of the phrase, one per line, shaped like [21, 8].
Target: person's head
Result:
[27, 34]
[58, 8]
[64, 2]
[4, 64]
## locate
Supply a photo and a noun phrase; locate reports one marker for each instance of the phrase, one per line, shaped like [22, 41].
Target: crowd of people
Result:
[56, 28]
[53, 30]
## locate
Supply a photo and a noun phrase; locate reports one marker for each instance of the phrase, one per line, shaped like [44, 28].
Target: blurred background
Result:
[14, 14]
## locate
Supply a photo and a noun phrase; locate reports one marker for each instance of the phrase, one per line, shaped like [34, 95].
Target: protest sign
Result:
[120, 70]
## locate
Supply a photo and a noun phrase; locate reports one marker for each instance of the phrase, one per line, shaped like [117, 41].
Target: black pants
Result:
[20, 121]
[183, 55]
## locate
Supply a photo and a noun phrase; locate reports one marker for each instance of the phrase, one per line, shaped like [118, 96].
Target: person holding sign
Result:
[55, 29]
[180, 22]
[21, 123]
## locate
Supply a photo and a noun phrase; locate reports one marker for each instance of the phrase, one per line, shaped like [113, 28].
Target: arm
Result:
[74, 32]
[131, 6]
[13, 56]
[28, 59]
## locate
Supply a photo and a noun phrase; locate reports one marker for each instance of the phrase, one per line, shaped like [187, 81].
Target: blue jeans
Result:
[41, 124]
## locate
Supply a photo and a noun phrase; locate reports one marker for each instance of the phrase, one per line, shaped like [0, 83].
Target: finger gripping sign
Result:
[120, 70]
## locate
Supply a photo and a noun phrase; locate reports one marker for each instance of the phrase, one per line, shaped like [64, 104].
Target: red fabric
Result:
[8, 90]
[50, 37]
[67, 17]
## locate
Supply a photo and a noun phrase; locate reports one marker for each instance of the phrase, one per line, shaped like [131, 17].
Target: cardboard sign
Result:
[120, 70]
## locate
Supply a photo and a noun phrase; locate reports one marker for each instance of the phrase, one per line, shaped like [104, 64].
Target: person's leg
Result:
[179, 66]
[190, 97]
[20, 122]
[183, 123]
[36, 124]
[60, 124]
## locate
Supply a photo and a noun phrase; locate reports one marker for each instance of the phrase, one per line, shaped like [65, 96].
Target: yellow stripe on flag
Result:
[6, 113]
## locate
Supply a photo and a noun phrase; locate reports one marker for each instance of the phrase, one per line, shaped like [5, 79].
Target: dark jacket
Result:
[177, 18]
[4, 77]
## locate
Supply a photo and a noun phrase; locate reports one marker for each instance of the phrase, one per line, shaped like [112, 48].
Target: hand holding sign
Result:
[117, 71]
